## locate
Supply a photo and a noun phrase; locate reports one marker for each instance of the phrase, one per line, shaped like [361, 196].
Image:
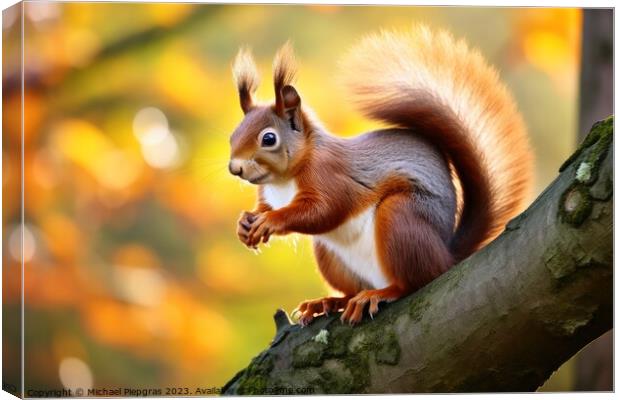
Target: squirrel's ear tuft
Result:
[246, 78]
[284, 70]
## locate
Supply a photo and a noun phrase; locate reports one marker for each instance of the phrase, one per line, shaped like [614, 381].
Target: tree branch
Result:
[502, 320]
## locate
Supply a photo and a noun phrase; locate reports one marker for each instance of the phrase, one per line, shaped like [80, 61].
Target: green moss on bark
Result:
[309, 354]
[357, 364]
[597, 154]
[335, 380]
[344, 361]
[600, 130]
[351, 376]
[340, 337]
[255, 379]
[576, 202]
[388, 351]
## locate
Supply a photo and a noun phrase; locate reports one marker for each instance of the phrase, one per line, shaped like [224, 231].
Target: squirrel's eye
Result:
[269, 139]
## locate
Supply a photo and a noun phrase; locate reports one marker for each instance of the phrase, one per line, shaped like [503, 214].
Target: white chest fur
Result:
[279, 195]
[354, 243]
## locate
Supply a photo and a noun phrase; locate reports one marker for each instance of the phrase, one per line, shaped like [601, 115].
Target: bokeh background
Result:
[133, 273]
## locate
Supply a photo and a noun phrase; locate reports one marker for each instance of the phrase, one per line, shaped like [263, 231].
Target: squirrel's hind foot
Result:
[310, 309]
[354, 310]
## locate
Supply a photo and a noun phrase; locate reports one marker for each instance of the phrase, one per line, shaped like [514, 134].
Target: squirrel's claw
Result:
[354, 310]
[373, 308]
[305, 320]
[295, 312]
[311, 308]
[261, 231]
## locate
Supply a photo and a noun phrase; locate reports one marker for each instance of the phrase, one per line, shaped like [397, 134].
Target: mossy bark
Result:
[502, 320]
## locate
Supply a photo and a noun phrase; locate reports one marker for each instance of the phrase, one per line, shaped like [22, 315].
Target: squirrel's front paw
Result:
[244, 225]
[261, 230]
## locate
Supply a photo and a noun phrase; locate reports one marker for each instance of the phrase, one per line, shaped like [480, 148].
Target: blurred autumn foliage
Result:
[133, 274]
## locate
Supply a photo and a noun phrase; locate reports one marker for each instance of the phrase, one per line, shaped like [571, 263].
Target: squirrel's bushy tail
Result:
[429, 82]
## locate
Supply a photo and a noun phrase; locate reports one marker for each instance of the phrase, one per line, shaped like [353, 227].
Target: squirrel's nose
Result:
[235, 167]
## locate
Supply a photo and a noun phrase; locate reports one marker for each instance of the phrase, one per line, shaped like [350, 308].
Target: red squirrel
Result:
[392, 209]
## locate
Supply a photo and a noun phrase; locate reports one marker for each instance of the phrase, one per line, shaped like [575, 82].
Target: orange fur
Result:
[405, 238]
[429, 85]
[243, 142]
[429, 82]
[318, 208]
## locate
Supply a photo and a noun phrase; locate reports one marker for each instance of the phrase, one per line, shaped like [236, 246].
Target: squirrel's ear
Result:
[283, 74]
[291, 103]
[290, 98]
[246, 78]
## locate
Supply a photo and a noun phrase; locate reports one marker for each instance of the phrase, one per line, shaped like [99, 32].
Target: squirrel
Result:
[392, 209]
